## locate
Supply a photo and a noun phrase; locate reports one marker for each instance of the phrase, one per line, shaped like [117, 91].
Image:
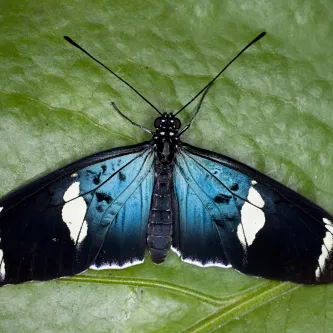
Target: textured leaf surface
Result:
[271, 110]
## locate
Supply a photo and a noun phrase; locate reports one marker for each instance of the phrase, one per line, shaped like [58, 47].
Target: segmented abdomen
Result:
[159, 233]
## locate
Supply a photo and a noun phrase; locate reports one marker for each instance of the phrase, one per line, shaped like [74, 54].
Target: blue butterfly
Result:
[105, 210]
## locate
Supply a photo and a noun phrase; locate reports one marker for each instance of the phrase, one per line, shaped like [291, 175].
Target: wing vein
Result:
[115, 215]
[110, 177]
[265, 182]
[225, 186]
[204, 204]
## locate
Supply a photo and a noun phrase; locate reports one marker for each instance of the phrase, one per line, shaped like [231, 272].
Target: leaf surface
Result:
[272, 110]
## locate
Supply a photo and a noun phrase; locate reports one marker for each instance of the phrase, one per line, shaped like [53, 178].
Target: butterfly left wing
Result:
[231, 213]
[92, 212]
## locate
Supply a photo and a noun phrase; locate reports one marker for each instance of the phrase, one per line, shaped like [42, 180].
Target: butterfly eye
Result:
[158, 122]
[177, 123]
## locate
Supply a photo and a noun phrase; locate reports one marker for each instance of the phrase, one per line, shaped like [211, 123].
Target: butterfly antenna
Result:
[131, 121]
[225, 67]
[197, 110]
[69, 40]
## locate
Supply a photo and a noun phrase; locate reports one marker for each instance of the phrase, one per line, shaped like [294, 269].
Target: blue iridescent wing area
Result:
[231, 214]
[195, 235]
[93, 212]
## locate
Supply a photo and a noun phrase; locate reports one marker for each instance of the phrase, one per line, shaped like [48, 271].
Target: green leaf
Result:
[272, 110]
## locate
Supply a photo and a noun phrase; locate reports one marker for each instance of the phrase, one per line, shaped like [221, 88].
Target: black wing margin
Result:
[265, 229]
[65, 222]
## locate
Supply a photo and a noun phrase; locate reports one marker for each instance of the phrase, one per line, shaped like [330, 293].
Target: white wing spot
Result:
[73, 175]
[197, 262]
[1, 208]
[255, 198]
[117, 266]
[2, 266]
[326, 248]
[254, 182]
[84, 232]
[328, 224]
[73, 213]
[72, 192]
[253, 218]
[208, 264]
[173, 249]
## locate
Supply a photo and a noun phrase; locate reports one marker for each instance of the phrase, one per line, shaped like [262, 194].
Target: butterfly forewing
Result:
[126, 217]
[57, 226]
[265, 229]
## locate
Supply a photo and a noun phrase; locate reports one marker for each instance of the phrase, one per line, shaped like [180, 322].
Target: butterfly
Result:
[105, 210]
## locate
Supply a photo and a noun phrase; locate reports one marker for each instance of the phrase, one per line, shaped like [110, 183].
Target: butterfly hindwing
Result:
[195, 232]
[265, 229]
[58, 225]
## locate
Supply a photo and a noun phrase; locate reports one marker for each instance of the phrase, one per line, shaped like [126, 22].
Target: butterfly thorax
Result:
[165, 138]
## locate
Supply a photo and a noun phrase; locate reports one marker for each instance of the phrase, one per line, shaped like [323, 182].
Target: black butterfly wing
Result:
[231, 213]
[93, 212]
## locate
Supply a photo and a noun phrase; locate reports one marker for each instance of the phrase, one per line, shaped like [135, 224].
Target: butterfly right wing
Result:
[92, 212]
[265, 229]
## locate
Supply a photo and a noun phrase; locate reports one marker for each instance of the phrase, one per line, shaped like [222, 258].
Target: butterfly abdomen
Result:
[159, 233]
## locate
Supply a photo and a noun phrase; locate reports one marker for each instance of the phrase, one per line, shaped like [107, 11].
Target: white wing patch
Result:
[2, 266]
[72, 192]
[326, 248]
[198, 263]
[173, 249]
[253, 218]
[208, 264]
[1, 208]
[117, 266]
[83, 232]
[73, 213]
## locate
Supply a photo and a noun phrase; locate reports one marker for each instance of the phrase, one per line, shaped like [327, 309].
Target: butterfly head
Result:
[167, 125]
[165, 137]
